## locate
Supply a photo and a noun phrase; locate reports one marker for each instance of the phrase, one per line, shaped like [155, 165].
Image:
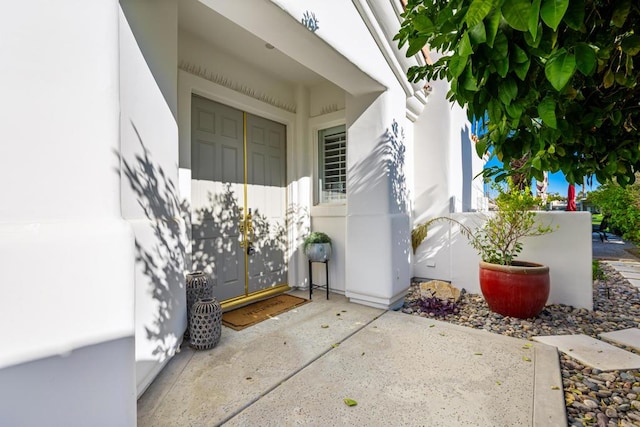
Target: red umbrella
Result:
[571, 198]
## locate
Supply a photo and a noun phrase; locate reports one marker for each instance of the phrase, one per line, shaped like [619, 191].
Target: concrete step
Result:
[626, 337]
[593, 352]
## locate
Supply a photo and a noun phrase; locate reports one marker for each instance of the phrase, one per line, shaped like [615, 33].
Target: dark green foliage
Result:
[623, 206]
[558, 79]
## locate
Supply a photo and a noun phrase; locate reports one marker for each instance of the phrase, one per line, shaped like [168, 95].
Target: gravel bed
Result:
[592, 398]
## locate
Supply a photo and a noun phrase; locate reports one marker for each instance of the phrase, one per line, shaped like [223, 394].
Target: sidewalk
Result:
[612, 249]
[400, 369]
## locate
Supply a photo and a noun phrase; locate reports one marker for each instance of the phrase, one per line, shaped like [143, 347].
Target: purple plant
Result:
[437, 307]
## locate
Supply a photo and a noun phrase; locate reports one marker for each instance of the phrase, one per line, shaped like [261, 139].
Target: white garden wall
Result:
[567, 252]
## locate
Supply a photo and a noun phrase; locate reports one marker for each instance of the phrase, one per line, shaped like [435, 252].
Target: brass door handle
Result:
[241, 227]
[247, 232]
[249, 225]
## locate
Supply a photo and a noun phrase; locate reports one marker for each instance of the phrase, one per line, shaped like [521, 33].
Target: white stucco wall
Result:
[378, 265]
[446, 162]
[431, 162]
[432, 171]
[150, 195]
[377, 223]
[154, 26]
[342, 27]
[67, 256]
[445, 169]
[462, 156]
[567, 252]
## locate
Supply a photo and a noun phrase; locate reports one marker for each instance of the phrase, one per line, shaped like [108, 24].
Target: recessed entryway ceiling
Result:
[202, 21]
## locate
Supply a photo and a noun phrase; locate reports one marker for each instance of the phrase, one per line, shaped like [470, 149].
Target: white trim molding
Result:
[230, 84]
[381, 18]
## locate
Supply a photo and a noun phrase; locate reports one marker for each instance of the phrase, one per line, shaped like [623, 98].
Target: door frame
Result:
[189, 84]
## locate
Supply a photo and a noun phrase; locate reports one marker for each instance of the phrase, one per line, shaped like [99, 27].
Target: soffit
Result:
[200, 20]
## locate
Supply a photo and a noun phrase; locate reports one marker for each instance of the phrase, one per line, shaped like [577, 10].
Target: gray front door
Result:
[238, 199]
[266, 197]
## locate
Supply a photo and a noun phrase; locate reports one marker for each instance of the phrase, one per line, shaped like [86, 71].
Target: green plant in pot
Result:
[510, 287]
[317, 246]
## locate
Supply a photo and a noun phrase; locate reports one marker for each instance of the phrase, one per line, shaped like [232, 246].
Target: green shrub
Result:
[623, 207]
[597, 272]
[316, 237]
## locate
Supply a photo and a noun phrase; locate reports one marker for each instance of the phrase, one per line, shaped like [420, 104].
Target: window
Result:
[332, 165]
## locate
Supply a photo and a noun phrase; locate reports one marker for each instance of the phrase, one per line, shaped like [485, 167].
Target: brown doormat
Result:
[251, 314]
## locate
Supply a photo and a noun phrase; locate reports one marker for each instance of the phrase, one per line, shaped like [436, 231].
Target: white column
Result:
[301, 167]
[378, 235]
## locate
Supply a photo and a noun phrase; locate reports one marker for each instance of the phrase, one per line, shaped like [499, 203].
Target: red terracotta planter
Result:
[519, 290]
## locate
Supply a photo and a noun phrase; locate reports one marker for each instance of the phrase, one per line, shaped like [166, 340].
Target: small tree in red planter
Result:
[510, 287]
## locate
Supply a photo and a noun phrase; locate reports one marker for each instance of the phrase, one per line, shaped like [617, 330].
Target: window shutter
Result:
[333, 164]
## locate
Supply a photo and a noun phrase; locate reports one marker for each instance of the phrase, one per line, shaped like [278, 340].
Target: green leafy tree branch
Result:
[558, 79]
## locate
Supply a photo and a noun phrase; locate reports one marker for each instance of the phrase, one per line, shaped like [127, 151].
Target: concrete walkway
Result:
[614, 248]
[299, 367]
[401, 370]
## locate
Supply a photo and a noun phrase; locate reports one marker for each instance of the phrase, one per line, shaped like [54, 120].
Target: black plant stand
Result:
[311, 285]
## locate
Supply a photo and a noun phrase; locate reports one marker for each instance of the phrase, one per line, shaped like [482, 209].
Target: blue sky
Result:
[557, 181]
[558, 184]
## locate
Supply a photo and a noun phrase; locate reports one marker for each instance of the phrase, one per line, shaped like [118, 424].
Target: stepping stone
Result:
[630, 267]
[630, 275]
[592, 352]
[634, 282]
[627, 337]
